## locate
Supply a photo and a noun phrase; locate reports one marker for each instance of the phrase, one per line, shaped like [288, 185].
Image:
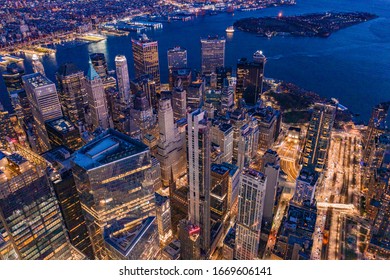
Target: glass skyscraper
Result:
[113, 178]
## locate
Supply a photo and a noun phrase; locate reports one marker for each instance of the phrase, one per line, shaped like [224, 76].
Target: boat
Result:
[269, 34]
[230, 29]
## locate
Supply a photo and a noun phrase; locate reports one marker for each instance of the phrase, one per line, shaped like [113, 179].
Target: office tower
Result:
[7, 132]
[179, 103]
[189, 236]
[13, 77]
[295, 239]
[163, 214]
[219, 193]
[37, 65]
[156, 174]
[305, 186]
[145, 53]
[221, 135]
[96, 100]
[99, 63]
[112, 175]
[227, 98]
[122, 76]
[250, 212]
[177, 58]
[62, 132]
[195, 94]
[271, 163]
[213, 54]
[376, 127]
[61, 176]
[72, 92]
[318, 136]
[127, 242]
[229, 244]
[180, 77]
[142, 118]
[146, 84]
[170, 151]
[380, 233]
[222, 74]
[172, 251]
[199, 175]
[247, 143]
[45, 105]
[30, 218]
[233, 187]
[250, 75]
[269, 121]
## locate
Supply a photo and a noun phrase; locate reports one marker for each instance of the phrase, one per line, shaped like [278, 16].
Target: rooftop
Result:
[124, 240]
[219, 169]
[36, 80]
[110, 146]
[61, 125]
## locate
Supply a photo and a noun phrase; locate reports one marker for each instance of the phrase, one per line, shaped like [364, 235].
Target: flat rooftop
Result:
[124, 241]
[62, 125]
[36, 80]
[110, 146]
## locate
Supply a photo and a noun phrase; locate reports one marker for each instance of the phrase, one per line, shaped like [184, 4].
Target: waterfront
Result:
[351, 65]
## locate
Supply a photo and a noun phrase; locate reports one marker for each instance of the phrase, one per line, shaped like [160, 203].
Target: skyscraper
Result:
[213, 54]
[72, 92]
[45, 104]
[145, 53]
[163, 214]
[199, 178]
[13, 77]
[29, 215]
[7, 132]
[250, 75]
[271, 171]
[250, 212]
[96, 100]
[318, 136]
[179, 103]
[122, 75]
[112, 175]
[68, 198]
[99, 64]
[177, 58]
[170, 152]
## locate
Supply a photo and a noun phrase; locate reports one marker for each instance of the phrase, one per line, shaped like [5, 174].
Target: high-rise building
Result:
[37, 65]
[99, 63]
[306, 186]
[170, 151]
[72, 92]
[269, 121]
[45, 105]
[145, 53]
[96, 100]
[199, 179]
[177, 58]
[30, 219]
[179, 103]
[223, 73]
[142, 118]
[146, 84]
[7, 131]
[163, 214]
[122, 76]
[380, 235]
[318, 136]
[250, 75]
[180, 77]
[68, 198]
[189, 236]
[112, 175]
[219, 192]
[221, 135]
[213, 54]
[250, 212]
[62, 132]
[271, 162]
